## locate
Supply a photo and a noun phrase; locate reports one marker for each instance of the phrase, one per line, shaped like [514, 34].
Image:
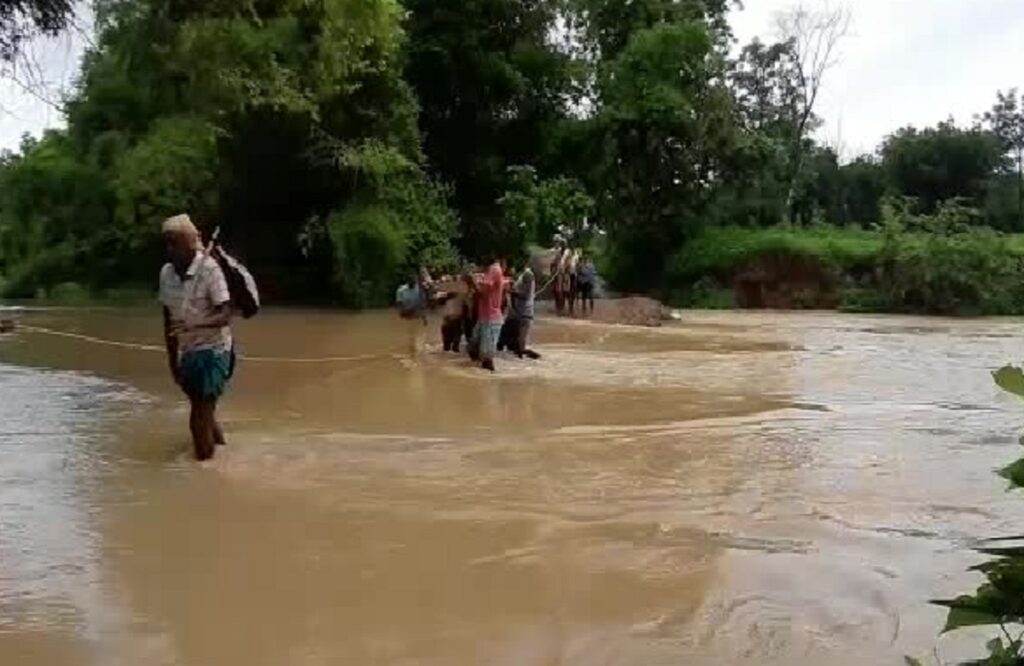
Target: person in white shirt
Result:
[572, 285]
[197, 315]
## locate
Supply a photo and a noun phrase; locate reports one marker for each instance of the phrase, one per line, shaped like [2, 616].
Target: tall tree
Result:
[289, 123]
[863, 182]
[665, 120]
[22, 19]
[607, 26]
[492, 88]
[813, 38]
[766, 87]
[767, 84]
[941, 163]
[1006, 121]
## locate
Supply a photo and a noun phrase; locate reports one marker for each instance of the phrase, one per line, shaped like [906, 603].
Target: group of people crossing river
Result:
[202, 288]
[494, 308]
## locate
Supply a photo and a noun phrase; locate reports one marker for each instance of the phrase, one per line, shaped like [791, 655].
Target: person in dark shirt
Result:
[587, 283]
[523, 297]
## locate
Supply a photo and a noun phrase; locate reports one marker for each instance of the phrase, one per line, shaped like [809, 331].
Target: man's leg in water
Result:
[509, 335]
[475, 340]
[489, 333]
[586, 299]
[416, 325]
[218, 431]
[451, 331]
[202, 424]
[523, 344]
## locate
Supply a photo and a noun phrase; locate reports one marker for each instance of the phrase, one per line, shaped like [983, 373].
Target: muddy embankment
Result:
[785, 282]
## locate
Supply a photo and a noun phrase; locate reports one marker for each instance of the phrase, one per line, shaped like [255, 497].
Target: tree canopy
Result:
[23, 19]
[338, 143]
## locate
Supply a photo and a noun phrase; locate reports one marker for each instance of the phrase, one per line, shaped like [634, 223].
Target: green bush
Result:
[533, 211]
[128, 296]
[939, 264]
[722, 251]
[944, 264]
[69, 293]
[369, 252]
[399, 222]
[863, 300]
[40, 272]
[706, 294]
[972, 272]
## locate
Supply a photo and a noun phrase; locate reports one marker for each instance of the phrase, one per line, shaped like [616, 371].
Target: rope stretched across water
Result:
[134, 346]
[549, 283]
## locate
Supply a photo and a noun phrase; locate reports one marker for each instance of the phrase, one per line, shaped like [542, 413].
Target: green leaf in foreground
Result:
[1011, 379]
[1014, 473]
[964, 613]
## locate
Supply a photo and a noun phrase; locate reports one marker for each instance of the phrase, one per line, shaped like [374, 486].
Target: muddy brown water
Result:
[734, 488]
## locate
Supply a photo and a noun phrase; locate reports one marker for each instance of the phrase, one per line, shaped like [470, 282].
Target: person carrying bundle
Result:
[197, 333]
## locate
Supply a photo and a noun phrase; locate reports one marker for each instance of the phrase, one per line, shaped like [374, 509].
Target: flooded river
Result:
[732, 489]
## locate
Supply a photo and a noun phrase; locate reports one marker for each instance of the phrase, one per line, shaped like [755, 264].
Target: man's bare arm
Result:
[171, 342]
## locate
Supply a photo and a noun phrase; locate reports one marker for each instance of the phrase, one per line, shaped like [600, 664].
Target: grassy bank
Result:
[947, 270]
[959, 270]
[75, 294]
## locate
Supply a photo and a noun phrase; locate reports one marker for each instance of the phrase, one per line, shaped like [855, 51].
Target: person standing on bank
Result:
[587, 282]
[197, 316]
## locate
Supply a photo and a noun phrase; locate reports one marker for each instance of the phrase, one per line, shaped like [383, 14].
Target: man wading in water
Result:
[197, 314]
[491, 287]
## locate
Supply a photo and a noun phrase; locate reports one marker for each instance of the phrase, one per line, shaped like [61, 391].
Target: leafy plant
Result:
[69, 293]
[534, 210]
[999, 602]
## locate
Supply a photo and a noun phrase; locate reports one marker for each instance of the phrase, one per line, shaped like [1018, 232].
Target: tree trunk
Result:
[794, 178]
[1020, 189]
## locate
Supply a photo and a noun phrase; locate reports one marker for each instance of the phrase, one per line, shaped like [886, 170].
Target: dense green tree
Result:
[765, 84]
[766, 81]
[1006, 121]
[534, 211]
[606, 27]
[941, 163]
[1001, 205]
[259, 117]
[863, 188]
[665, 120]
[52, 205]
[492, 87]
[841, 194]
[337, 143]
[812, 37]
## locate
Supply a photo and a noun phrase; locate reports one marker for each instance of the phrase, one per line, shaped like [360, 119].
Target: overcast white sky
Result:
[909, 62]
[904, 62]
[55, 65]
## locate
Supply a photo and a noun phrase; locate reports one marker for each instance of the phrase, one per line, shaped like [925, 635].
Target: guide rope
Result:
[156, 348]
